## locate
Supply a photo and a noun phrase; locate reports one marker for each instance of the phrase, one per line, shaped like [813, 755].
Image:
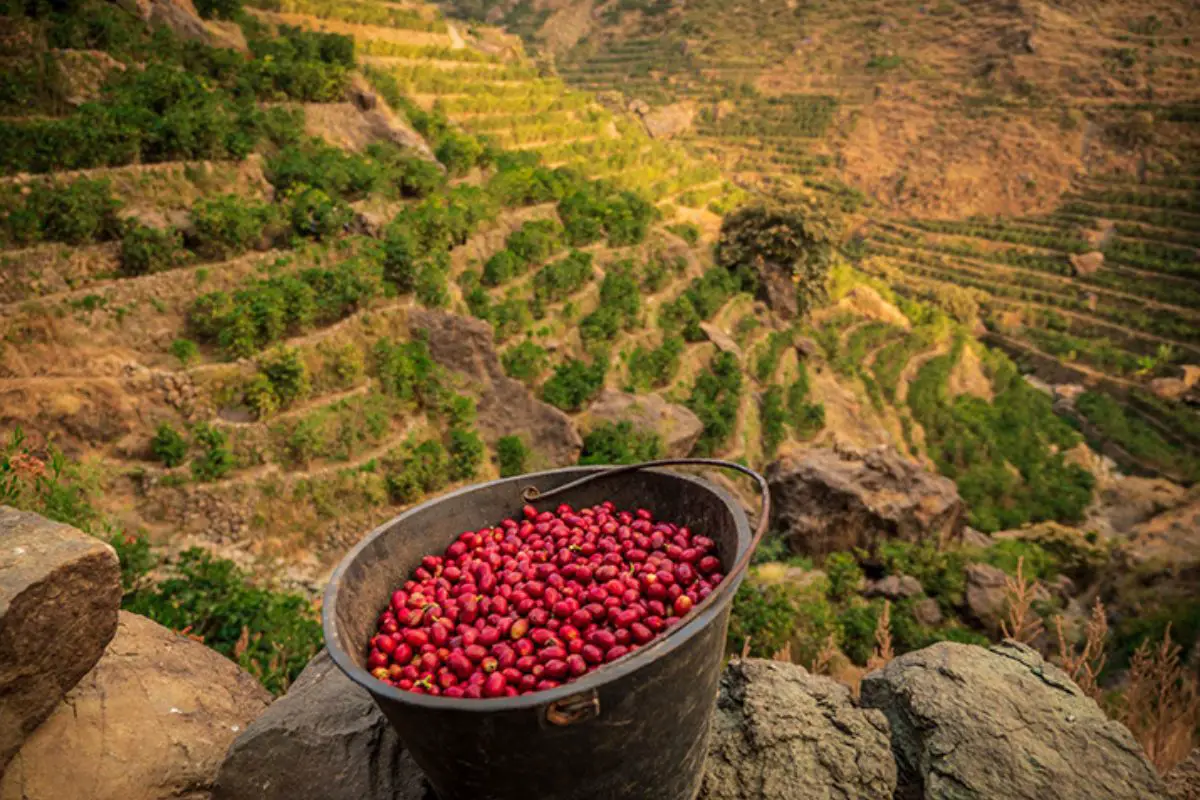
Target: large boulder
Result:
[828, 500]
[324, 740]
[467, 345]
[676, 426]
[667, 122]
[1183, 781]
[181, 17]
[968, 722]
[151, 721]
[779, 732]
[60, 591]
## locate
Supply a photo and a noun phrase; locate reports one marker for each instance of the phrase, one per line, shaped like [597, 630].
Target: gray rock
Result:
[972, 723]
[894, 587]
[677, 427]
[324, 740]
[779, 732]
[151, 721]
[60, 591]
[836, 500]
[807, 348]
[927, 612]
[1183, 781]
[722, 340]
[985, 594]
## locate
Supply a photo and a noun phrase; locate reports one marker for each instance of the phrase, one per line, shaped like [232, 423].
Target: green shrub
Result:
[773, 419]
[501, 268]
[229, 225]
[459, 152]
[287, 373]
[688, 231]
[699, 302]
[273, 635]
[316, 215]
[215, 461]
[597, 210]
[942, 573]
[169, 446]
[525, 361]
[185, 350]
[620, 302]
[845, 576]
[426, 469]
[763, 614]
[78, 212]
[513, 456]
[857, 623]
[574, 384]
[432, 287]
[145, 250]
[536, 241]
[619, 443]
[466, 454]
[561, 279]
[714, 399]
[655, 368]
[1038, 563]
[407, 371]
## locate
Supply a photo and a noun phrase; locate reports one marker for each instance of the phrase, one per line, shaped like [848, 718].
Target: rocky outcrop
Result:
[894, 587]
[676, 426]
[1183, 781]
[1086, 263]
[81, 73]
[973, 723]
[779, 732]
[670, 121]
[466, 345]
[1177, 388]
[181, 17]
[721, 339]
[985, 595]
[324, 740]
[152, 720]
[59, 594]
[838, 499]
[867, 302]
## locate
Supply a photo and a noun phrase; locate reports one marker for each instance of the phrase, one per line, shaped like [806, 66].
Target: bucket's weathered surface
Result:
[649, 738]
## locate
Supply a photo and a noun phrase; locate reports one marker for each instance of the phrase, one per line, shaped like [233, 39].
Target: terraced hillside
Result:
[1030, 161]
[242, 320]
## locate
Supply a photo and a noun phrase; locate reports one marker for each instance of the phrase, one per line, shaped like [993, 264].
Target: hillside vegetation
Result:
[262, 287]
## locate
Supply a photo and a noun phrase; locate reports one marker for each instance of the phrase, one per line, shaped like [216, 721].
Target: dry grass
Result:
[883, 640]
[1161, 705]
[824, 658]
[1085, 664]
[1022, 625]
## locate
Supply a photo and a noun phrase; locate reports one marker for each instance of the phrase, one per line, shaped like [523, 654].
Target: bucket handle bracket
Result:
[574, 709]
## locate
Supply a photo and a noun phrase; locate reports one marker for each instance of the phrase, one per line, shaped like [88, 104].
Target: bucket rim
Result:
[609, 673]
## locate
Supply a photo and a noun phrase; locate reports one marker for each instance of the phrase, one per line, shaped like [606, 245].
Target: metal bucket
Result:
[636, 729]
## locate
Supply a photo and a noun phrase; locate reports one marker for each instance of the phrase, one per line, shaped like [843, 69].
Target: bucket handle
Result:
[579, 708]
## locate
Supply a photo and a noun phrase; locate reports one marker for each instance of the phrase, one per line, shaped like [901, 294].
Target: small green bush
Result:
[145, 250]
[466, 454]
[773, 418]
[619, 443]
[185, 350]
[525, 361]
[169, 446]
[501, 268]
[844, 573]
[78, 212]
[215, 461]
[219, 9]
[574, 384]
[512, 454]
[655, 368]
[287, 373]
[273, 635]
[316, 215]
[536, 241]
[228, 225]
[714, 399]
[763, 614]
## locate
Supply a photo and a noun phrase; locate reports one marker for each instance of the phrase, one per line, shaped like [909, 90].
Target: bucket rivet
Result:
[573, 709]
